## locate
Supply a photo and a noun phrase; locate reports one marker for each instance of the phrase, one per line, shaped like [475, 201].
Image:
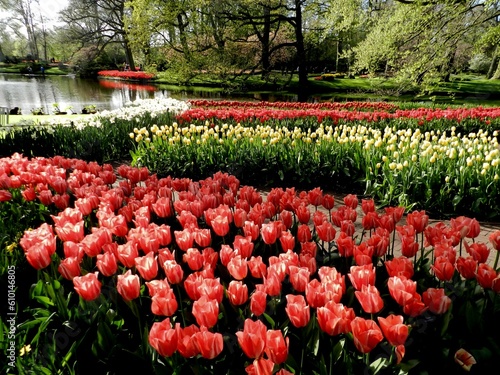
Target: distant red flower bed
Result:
[125, 85]
[125, 75]
[360, 106]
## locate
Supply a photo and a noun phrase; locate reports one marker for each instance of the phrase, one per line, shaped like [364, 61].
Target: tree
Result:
[98, 23]
[422, 40]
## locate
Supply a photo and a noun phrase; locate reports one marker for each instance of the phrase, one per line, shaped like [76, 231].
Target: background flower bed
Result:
[205, 237]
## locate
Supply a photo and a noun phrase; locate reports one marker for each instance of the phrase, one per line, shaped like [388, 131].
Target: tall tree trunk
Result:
[301, 53]
[494, 64]
[266, 64]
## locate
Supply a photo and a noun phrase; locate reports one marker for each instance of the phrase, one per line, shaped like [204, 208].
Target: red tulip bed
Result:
[129, 75]
[173, 276]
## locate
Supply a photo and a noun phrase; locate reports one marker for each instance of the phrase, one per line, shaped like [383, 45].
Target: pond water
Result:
[30, 92]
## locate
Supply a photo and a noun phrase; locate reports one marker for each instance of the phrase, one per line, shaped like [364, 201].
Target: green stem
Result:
[180, 304]
[496, 260]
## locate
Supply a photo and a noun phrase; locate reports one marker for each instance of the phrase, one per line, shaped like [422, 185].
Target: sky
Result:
[48, 8]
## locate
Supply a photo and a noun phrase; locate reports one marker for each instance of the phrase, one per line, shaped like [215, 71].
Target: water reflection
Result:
[30, 92]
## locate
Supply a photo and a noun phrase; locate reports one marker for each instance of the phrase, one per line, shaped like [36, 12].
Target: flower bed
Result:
[441, 172]
[130, 75]
[212, 276]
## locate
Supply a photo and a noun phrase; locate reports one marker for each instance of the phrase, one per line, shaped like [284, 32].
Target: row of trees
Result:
[415, 40]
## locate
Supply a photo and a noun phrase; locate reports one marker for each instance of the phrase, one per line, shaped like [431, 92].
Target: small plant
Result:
[37, 111]
[88, 109]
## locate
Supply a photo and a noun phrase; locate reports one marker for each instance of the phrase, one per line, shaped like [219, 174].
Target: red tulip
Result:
[366, 334]
[485, 275]
[163, 338]
[326, 231]
[418, 220]
[5, 195]
[184, 239]
[147, 266]
[328, 201]
[252, 339]
[315, 196]
[369, 298]
[367, 205]
[401, 289]
[206, 311]
[257, 267]
[479, 251]
[276, 346]
[270, 232]
[370, 220]
[210, 287]
[163, 207]
[193, 258]
[127, 253]
[258, 302]
[345, 245]
[173, 271]
[443, 268]
[299, 278]
[220, 225]
[237, 267]
[237, 292]
[88, 286]
[239, 217]
[436, 300]
[395, 212]
[362, 275]
[464, 359]
[209, 344]
[494, 238]
[351, 201]
[393, 329]
[243, 246]
[251, 229]
[414, 306]
[186, 342]
[287, 241]
[128, 286]
[303, 214]
[260, 366]
[69, 268]
[399, 266]
[467, 267]
[107, 264]
[297, 310]
[272, 282]
[334, 318]
[408, 246]
[286, 218]
[163, 302]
